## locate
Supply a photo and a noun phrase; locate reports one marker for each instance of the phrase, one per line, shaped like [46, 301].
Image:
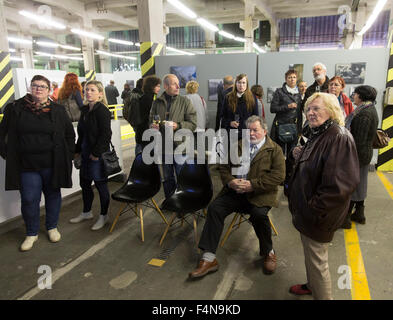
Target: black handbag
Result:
[287, 132]
[111, 161]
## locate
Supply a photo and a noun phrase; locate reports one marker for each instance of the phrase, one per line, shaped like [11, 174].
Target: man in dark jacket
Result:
[325, 175]
[321, 84]
[254, 194]
[111, 93]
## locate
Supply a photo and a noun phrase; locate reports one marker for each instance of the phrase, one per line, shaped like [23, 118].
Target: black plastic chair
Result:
[193, 193]
[143, 183]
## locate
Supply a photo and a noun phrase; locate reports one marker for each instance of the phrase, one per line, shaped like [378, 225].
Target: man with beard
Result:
[321, 84]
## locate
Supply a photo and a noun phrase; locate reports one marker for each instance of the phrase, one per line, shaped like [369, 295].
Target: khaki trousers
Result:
[317, 268]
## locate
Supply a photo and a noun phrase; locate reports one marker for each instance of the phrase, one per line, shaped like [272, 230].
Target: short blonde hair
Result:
[100, 88]
[192, 86]
[330, 102]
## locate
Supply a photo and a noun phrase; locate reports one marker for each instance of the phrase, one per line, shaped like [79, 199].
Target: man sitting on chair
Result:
[254, 195]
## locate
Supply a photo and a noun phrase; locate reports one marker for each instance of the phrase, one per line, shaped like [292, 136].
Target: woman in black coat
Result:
[362, 123]
[94, 137]
[238, 106]
[151, 87]
[37, 141]
[285, 104]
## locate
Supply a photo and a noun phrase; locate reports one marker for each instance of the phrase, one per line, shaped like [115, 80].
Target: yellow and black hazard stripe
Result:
[148, 51]
[90, 75]
[385, 156]
[7, 90]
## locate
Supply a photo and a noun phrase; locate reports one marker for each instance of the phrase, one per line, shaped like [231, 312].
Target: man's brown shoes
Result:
[269, 263]
[204, 268]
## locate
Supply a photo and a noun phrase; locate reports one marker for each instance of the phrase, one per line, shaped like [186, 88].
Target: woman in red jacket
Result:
[336, 87]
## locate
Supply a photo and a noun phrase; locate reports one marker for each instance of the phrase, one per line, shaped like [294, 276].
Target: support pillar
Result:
[3, 29]
[249, 25]
[151, 33]
[88, 48]
[105, 61]
[353, 40]
[210, 42]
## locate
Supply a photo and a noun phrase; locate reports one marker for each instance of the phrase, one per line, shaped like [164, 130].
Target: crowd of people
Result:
[319, 149]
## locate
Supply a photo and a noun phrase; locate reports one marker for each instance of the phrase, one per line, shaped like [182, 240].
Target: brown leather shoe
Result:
[269, 263]
[204, 268]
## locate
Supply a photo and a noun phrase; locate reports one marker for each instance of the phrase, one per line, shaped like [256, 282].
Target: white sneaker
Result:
[54, 235]
[82, 216]
[102, 220]
[28, 243]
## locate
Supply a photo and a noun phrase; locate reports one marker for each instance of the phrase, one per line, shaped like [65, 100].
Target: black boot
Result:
[358, 216]
[347, 224]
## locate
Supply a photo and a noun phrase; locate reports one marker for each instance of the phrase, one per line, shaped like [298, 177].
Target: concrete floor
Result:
[89, 264]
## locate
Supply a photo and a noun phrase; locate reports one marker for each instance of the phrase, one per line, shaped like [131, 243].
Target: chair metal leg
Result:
[229, 229]
[205, 212]
[167, 227]
[159, 211]
[272, 225]
[117, 217]
[141, 217]
[195, 230]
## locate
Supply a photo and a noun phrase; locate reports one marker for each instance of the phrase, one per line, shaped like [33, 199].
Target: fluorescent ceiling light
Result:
[207, 24]
[59, 56]
[11, 50]
[42, 19]
[16, 59]
[240, 39]
[181, 7]
[127, 43]
[67, 47]
[378, 8]
[87, 34]
[114, 55]
[137, 44]
[47, 44]
[180, 51]
[226, 34]
[260, 50]
[18, 40]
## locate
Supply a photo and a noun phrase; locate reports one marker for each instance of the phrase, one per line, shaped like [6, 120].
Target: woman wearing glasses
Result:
[37, 141]
[336, 87]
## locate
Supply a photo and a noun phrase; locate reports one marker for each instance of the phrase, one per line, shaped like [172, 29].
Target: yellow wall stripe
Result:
[9, 93]
[158, 49]
[388, 186]
[387, 123]
[147, 65]
[390, 75]
[4, 62]
[359, 287]
[145, 46]
[387, 166]
[5, 80]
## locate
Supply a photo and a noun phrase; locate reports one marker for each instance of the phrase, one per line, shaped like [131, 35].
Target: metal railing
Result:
[114, 108]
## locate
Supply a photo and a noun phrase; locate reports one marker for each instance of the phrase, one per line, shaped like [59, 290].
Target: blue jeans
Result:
[32, 184]
[169, 182]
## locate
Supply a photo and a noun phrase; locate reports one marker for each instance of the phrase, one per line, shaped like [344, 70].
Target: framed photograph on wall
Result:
[184, 74]
[213, 86]
[352, 73]
[270, 93]
[299, 70]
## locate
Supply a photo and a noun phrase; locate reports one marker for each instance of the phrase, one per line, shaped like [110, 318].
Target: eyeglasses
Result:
[36, 86]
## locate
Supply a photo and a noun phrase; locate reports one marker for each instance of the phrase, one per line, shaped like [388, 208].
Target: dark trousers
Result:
[34, 183]
[223, 206]
[88, 194]
[169, 171]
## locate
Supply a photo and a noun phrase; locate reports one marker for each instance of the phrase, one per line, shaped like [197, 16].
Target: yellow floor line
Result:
[388, 186]
[359, 287]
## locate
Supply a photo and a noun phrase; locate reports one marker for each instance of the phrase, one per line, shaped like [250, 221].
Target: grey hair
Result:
[165, 80]
[319, 64]
[254, 118]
